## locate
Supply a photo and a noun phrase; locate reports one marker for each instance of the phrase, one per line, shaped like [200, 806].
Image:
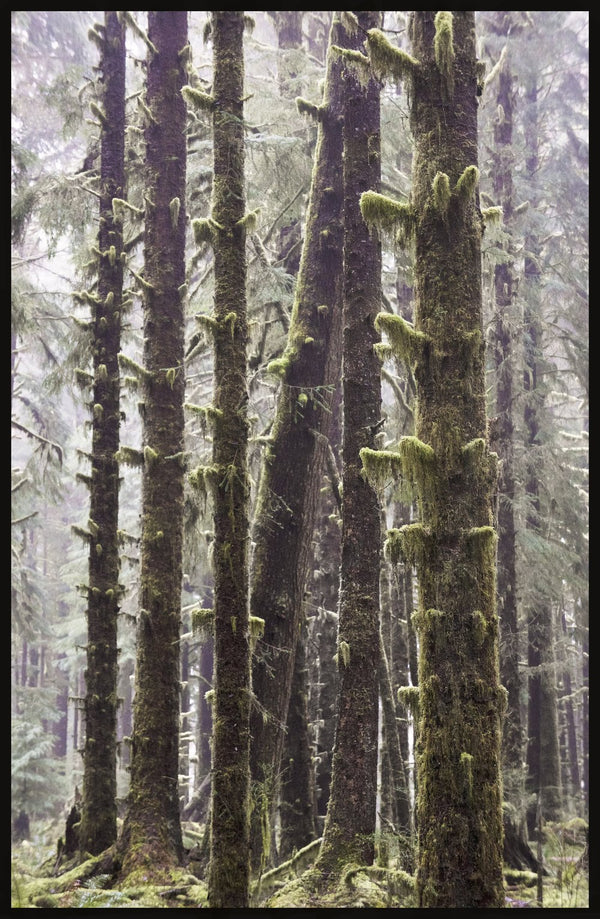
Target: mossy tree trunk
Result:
[543, 755]
[503, 426]
[351, 816]
[151, 839]
[459, 803]
[98, 828]
[229, 868]
[297, 797]
[291, 475]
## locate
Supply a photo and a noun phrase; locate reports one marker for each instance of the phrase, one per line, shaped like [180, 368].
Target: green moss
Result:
[150, 455]
[386, 59]
[418, 463]
[441, 193]
[408, 697]
[197, 99]
[467, 183]
[443, 45]
[492, 216]
[129, 456]
[406, 343]
[384, 214]
[97, 111]
[411, 543]
[344, 653]
[380, 466]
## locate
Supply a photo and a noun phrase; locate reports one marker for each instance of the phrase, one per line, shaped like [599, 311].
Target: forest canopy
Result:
[299, 459]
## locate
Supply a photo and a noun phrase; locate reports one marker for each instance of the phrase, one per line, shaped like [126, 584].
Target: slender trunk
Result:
[229, 869]
[543, 757]
[98, 828]
[297, 801]
[151, 841]
[351, 815]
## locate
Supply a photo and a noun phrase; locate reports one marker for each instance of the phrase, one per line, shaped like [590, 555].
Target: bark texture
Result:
[351, 815]
[229, 869]
[98, 828]
[291, 477]
[151, 839]
[543, 755]
[459, 813]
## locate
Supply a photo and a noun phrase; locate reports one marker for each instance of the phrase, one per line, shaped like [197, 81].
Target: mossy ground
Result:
[85, 886]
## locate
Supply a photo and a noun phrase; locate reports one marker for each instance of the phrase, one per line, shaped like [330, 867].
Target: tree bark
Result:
[291, 476]
[351, 816]
[98, 828]
[229, 868]
[151, 839]
[543, 756]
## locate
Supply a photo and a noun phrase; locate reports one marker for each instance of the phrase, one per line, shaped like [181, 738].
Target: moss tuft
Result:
[443, 45]
[386, 59]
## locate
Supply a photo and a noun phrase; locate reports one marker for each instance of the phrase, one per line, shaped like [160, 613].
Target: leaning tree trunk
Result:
[460, 701]
[351, 815]
[291, 477]
[151, 840]
[98, 829]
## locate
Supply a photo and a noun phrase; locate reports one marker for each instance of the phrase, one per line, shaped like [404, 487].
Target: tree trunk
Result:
[229, 869]
[503, 432]
[459, 804]
[151, 838]
[297, 799]
[98, 828]
[543, 756]
[351, 815]
[291, 476]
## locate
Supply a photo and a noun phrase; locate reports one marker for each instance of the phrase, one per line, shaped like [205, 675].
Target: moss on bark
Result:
[351, 815]
[151, 842]
[229, 868]
[98, 829]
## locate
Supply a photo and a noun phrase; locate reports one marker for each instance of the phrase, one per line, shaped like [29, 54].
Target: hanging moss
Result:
[418, 463]
[441, 193]
[384, 214]
[406, 343]
[203, 620]
[198, 99]
[380, 466]
[492, 216]
[386, 59]
[137, 30]
[408, 697]
[443, 45]
[344, 653]
[467, 183]
[83, 378]
[411, 543]
[309, 109]
[129, 456]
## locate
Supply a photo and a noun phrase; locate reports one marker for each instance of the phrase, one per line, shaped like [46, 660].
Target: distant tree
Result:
[98, 829]
[543, 759]
[460, 701]
[349, 830]
[151, 836]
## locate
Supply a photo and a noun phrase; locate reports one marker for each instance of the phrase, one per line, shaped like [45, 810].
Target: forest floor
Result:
[36, 881]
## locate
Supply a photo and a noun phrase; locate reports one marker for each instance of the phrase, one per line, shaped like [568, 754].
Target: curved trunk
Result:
[291, 476]
[98, 828]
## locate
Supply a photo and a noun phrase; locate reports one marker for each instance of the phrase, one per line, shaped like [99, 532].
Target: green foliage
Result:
[37, 786]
